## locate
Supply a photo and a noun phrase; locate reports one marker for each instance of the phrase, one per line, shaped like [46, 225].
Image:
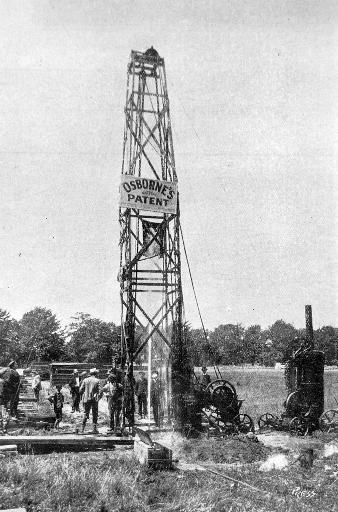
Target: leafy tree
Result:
[40, 336]
[92, 340]
[326, 339]
[226, 342]
[9, 341]
[253, 344]
[281, 335]
[198, 346]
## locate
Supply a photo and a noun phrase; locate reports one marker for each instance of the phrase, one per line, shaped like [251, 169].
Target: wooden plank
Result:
[13, 510]
[8, 448]
[65, 439]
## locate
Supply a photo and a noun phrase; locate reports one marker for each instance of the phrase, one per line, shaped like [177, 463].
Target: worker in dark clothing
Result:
[113, 390]
[141, 393]
[11, 388]
[206, 379]
[4, 409]
[74, 385]
[156, 397]
[57, 400]
[128, 399]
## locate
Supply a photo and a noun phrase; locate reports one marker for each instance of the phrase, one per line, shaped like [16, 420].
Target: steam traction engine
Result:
[304, 375]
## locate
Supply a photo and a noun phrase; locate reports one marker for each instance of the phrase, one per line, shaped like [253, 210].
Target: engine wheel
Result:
[328, 421]
[298, 426]
[267, 420]
[244, 423]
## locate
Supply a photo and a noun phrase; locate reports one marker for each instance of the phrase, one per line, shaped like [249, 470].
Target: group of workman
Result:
[118, 390]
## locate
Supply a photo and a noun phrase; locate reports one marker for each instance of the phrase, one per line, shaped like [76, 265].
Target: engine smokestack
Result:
[309, 327]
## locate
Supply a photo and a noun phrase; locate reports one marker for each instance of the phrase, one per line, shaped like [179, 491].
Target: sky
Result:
[253, 90]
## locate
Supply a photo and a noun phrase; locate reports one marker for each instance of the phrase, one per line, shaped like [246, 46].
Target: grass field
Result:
[114, 481]
[109, 482]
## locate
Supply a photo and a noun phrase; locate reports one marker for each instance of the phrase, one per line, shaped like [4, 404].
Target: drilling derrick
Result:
[150, 269]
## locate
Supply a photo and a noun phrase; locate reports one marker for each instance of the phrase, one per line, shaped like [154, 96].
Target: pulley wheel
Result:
[223, 394]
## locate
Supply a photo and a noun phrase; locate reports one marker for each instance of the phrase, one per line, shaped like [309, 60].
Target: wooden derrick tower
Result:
[150, 269]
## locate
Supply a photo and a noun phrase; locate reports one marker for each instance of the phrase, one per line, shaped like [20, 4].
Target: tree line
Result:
[38, 336]
[234, 344]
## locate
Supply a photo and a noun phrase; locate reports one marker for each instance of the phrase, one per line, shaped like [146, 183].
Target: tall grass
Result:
[109, 482]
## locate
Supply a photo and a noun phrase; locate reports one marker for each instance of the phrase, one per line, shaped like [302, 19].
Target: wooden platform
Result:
[65, 442]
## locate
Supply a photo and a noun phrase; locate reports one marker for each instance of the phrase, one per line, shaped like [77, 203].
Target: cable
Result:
[216, 369]
[192, 284]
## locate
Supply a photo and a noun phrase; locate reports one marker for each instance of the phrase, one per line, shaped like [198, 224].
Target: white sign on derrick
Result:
[148, 194]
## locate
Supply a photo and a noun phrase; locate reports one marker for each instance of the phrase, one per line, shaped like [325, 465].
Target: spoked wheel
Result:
[298, 426]
[267, 420]
[328, 422]
[244, 423]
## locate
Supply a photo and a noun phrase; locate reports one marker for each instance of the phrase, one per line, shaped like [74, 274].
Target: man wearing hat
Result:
[74, 385]
[90, 391]
[156, 397]
[141, 393]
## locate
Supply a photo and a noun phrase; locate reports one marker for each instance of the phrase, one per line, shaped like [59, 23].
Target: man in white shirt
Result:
[36, 385]
[90, 391]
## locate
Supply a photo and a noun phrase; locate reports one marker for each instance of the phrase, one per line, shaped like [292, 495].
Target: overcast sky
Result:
[253, 91]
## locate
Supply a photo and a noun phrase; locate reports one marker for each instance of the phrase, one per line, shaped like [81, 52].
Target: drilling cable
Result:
[216, 369]
[192, 284]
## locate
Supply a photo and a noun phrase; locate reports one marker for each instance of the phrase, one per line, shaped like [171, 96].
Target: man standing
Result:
[36, 385]
[57, 400]
[113, 390]
[141, 393]
[74, 385]
[155, 397]
[4, 408]
[128, 399]
[90, 391]
[12, 387]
